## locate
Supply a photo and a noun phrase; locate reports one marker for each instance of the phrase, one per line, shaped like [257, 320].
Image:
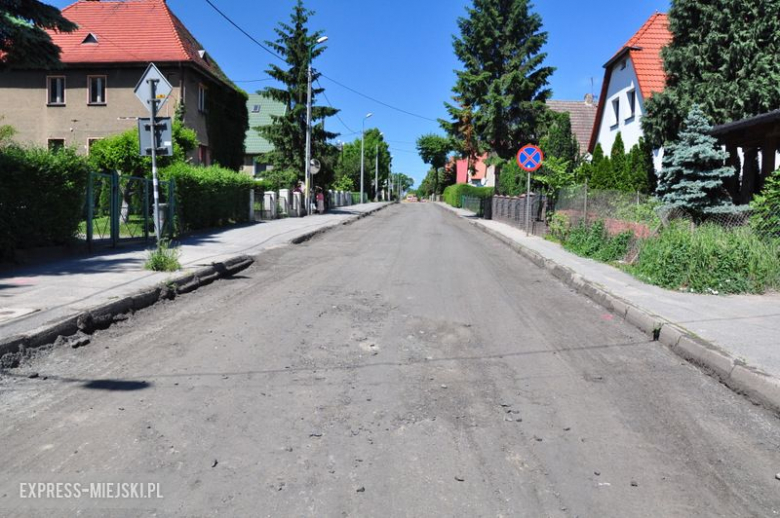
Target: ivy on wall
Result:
[227, 121]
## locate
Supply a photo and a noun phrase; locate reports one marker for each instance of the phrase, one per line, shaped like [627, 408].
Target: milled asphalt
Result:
[31, 297]
[405, 365]
[745, 327]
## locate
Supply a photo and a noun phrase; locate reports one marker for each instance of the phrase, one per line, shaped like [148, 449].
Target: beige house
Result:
[92, 96]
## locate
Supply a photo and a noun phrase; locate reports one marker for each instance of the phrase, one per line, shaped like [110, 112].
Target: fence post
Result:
[171, 207]
[586, 202]
[146, 210]
[90, 209]
[114, 209]
[251, 205]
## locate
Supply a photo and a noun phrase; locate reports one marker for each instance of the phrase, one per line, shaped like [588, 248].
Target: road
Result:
[404, 365]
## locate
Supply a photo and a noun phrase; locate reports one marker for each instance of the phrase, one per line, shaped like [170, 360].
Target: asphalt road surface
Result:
[404, 365]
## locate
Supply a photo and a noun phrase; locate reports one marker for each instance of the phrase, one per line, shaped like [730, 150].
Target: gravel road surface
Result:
[404, 365]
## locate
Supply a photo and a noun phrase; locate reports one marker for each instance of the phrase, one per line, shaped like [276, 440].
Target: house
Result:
[261, 111]
[631, 77]
[480, 175]
[582, 115]
[92, 96]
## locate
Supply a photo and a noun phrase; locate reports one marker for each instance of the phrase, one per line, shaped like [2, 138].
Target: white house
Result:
[634, 74]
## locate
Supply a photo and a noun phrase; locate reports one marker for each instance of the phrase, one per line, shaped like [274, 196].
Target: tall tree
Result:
[693, 172]
[287, 133]
[723, 57]
[502, 81]
[433, 150]
[24, 42]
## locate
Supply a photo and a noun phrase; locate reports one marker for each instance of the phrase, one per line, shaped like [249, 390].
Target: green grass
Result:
[594, 242]
[709, 259]
[164, 258]
[101, 227]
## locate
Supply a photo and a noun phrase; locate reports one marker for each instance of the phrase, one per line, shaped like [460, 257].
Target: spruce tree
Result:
[24, 42]
[723, 57]
[693, 173]
[618, 159]
[287, 133]
[503, 81]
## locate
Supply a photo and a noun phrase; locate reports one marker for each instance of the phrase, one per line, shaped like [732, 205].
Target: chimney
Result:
[589, 99]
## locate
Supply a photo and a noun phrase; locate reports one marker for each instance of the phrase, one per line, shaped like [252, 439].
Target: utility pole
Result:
[307, 196]
[155, 185]
[376, 175]
[363, 157]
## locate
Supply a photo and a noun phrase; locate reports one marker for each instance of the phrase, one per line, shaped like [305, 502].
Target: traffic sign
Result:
[162, 138]
[530, 158]
[162, 90]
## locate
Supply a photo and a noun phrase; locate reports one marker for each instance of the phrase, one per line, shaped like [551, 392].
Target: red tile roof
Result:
[480, 169]
[644, 50]
[129, 31]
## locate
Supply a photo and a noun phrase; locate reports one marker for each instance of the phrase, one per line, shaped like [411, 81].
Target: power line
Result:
[378, 101]
[254, 80]
[234, 24]
[337, 113]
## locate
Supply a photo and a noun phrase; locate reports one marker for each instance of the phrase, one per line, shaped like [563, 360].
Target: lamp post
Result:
[323, 39]
[363, 156]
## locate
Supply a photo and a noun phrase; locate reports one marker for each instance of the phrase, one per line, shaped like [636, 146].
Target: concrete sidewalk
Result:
[32, 297]
[736, 337]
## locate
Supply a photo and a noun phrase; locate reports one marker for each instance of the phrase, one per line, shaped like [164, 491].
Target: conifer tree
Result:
[617, 157]
[287, 133]
[23, 41]
[503, 81]
[693, 173]
[601, 176]
[723, 57]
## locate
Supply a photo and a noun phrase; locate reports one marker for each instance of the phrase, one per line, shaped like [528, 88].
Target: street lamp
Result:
[363, 156]
[376, 173]
[323, 39]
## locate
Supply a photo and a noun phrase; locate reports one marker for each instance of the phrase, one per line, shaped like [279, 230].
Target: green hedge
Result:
[209, 197]
[453, 195]
[41, 197]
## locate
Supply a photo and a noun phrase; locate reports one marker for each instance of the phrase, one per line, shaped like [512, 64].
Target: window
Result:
[616, 112]
[91, 39]
[55, 144]
[90, 142]
[56, 90]
[97, 89]
[204, 155]
[631, 104]
[202, 99]
[256, 108]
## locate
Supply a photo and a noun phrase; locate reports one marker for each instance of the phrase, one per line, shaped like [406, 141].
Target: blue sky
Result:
[400, 52]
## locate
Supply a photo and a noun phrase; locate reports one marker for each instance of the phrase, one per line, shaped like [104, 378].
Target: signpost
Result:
[530, 158]
[153, 90]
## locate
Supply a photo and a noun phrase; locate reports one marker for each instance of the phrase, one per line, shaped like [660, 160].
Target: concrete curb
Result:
[15, 348]
[759, 387]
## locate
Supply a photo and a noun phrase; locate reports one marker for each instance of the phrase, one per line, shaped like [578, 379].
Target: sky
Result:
[400, 52]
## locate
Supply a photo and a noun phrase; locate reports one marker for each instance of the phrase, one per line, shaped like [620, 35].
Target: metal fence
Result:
[481, 207]
[121, 207]
[525, 212]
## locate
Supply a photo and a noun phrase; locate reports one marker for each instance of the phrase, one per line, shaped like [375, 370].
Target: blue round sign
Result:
[530, 158]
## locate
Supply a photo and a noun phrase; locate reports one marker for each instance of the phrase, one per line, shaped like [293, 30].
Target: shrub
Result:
[766, 208]
[208, 197]
[453, 195]
[593, 241]
[164, 258]
[560, 225]
[41, 197]
[709, 259]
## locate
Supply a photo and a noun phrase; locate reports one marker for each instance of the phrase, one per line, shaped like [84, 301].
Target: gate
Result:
[120, 208]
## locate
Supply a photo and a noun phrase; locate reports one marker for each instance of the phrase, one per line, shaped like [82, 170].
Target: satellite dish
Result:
[314, 166]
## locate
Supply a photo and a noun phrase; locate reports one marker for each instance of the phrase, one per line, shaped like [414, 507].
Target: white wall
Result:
[621, 83]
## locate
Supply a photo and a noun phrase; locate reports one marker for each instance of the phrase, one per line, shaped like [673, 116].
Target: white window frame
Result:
[202, 98]
[631, 95]
[105, 90]
[616, 111]
[48, 90]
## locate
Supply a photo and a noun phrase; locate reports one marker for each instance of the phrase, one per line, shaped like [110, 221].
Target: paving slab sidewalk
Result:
[736, 336]
[34, 296]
